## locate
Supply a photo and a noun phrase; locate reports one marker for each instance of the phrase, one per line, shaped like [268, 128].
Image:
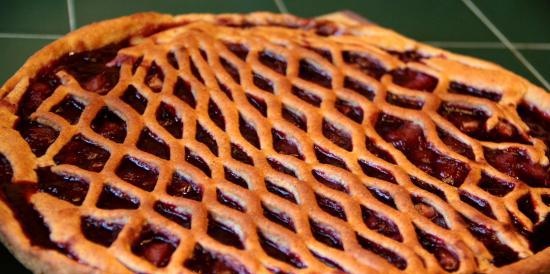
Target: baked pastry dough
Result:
[267, 143]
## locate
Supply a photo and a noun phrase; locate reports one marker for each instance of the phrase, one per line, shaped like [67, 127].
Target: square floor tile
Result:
[540, 59]
[427, 20]
[14, 52]
[10, 264]
[519, 20]
[34, 16]
[88, 11]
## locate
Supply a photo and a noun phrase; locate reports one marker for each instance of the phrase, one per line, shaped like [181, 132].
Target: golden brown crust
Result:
[480, 73]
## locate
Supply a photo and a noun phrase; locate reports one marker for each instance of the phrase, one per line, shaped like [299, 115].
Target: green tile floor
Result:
[26, 26]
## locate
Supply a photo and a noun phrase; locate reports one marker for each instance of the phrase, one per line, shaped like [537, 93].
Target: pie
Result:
[267, 143]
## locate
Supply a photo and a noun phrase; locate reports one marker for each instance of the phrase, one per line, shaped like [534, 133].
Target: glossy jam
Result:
[538, 122]
[240, 155]
[262, 82]
[307, 96]
[337, 135]
[109, 125]
[349, 109]
[248, 131]
[278, 252]
[16, 195]
[257, 103]
[273, 61]
[410, 139]
[364, 63]
[196, 160]
[456, 87]
[377, 151]
[295, 117]
[310, 72]
[281, 167]
[325, 234]
[39, 136]
[540, 238]
[182, 90]
[133, 98]
[239, 50]
[428, 211]
[138, 173]
[6, 172]
[69, 108]
[472, 122]
[231, 70]
[428, 187]
[388, 255]
[381, 224]
[203, 136]
[377, 172]
[226, 90]
[216, 114]
[413, 79]
[209, 262]
[322, 52]
[324, 156]
[100, 231]
[495, 186]
[173, 213]
[155, 246]
[408, 55]
[172, 59]
[40, 88]
[195, 71]
[278, 217]
[455, 144]
[283, 144]
[167, 117]
[527, 207]
[114, 198]
[330, 206]
[151, 143]
[235, 178]
[223, 233]
[446, 258]
[516, 163]
[228, 201]
[183, 186]
[359, 87]
[65, 187]
[477, 203]
[403, 101]
[329, 181]
[92, 69]
[382, 196]
[83, 153]
[154, 78]
[502, 253]
[280, 191]
[330, 263]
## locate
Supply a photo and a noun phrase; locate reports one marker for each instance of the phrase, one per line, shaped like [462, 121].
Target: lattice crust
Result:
[268, 148]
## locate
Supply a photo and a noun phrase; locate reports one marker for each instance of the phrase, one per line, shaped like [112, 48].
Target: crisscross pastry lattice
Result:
[268, 143]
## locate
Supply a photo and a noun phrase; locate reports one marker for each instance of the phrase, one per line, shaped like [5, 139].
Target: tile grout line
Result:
[71, 14]
[281, 6]
[481, 16]
[30, 36]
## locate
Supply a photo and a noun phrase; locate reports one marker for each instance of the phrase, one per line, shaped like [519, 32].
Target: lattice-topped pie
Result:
[268, 143]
